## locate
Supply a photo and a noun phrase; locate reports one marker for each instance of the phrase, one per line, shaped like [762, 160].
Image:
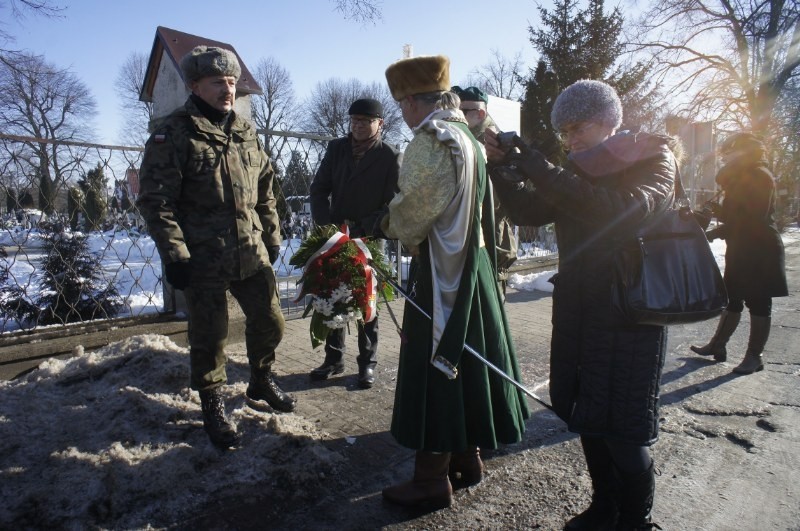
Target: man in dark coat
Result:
[754, 254]
[605, 372]
[206, 195]
[354, 184]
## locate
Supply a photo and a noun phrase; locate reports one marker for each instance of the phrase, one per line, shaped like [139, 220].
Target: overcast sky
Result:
[309, 38]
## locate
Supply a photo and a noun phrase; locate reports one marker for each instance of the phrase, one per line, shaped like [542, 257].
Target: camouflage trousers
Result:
[208, 325]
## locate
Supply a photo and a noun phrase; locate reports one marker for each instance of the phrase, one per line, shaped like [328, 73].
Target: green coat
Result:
[206, 195]
[432, 412]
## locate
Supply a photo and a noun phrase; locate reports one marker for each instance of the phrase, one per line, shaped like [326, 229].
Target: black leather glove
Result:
[274, 252]
[179, 274]
[521, 163]
[377, 231]
[528, 161]
[712, 234]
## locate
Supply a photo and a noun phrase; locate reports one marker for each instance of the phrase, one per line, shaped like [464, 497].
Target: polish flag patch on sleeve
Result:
[159, 139]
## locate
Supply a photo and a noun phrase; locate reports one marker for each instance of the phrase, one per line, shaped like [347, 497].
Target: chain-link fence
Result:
[73, 247]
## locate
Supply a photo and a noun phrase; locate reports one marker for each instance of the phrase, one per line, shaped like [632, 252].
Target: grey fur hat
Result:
[587, 100]
[205, 61]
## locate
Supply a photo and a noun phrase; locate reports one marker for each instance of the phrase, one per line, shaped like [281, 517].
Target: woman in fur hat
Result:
[447, 404]
[754, 255]
[605, 372]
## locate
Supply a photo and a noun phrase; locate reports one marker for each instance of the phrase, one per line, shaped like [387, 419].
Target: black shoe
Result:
[366, 377]
[221, 432]
[263, 387]
[326, 370]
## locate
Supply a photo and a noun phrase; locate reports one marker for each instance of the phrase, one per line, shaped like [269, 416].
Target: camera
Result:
[508, 139]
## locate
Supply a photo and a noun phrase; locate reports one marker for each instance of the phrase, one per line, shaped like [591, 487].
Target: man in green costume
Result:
[447, 403]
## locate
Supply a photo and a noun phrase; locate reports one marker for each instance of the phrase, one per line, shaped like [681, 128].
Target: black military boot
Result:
[367, 353]
[221, 432]
[333, 363]
[263, 387]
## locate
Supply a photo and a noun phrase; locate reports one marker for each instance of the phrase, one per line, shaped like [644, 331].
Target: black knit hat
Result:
[366, 107]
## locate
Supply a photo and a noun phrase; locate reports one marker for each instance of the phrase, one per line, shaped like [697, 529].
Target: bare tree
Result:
[276, 109]
[44, 102]
[360, 10]
[501, 76]
[732, 59]
[330, 100]
[136, 113]
[17, 10]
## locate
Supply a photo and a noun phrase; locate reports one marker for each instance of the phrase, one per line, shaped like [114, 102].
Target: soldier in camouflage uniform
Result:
[206, 194]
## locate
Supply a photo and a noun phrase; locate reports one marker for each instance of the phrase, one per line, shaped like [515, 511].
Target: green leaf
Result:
[319, 330]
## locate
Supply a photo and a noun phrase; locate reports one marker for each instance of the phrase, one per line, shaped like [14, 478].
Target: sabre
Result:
[494, 368]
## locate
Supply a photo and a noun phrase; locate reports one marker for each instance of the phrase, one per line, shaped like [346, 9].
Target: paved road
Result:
[729, 452]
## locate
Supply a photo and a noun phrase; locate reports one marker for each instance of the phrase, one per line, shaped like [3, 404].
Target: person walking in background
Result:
[605, 372]
[447, 403]
[206, 195]
[474, 105]
[355, 181]
[754, 255]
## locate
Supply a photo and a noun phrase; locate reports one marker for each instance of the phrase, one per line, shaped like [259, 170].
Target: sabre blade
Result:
[494, 368]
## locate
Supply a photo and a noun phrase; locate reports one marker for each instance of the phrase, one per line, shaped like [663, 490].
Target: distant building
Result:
[164, 85]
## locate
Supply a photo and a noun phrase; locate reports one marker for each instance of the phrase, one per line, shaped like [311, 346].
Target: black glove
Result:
[521, 164]
[528, 161]
[274, 252]
[179, 274]
[377, 231]
[712, 234]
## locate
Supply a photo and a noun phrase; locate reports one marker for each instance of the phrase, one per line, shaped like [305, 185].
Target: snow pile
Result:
[114, 438]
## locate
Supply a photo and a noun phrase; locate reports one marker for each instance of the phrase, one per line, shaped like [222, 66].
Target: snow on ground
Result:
[114, 439]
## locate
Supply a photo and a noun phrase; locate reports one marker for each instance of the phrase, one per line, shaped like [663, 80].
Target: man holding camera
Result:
[355, 181]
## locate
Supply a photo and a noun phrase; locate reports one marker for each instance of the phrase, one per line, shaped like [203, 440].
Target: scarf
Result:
[215, 116]
[360, 147]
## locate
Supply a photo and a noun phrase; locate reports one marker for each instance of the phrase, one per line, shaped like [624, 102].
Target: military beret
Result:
[470, 94]
[206, 61]
[366, 107]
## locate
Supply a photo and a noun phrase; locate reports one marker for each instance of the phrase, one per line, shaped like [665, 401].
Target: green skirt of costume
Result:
[478, 407]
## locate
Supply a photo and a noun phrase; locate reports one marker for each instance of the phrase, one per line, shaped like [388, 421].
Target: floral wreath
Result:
[339, 275]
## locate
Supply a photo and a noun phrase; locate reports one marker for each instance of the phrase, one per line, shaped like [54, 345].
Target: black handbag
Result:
[668, 274]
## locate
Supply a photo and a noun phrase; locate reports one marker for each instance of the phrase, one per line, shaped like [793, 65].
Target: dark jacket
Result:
[754, 255]
[206, 195]
[604, 372]
[343, 190]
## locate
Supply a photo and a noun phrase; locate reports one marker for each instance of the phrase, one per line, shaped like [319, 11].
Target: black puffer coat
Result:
[343, 190]
[604, 372]
[754, 255]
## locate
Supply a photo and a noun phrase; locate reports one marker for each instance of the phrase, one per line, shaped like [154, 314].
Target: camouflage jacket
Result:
[207, 196]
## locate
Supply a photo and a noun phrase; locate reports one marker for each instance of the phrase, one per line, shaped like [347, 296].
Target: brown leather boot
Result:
[728, 322]
[466, 468]
[430, 488]
[759, 334]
